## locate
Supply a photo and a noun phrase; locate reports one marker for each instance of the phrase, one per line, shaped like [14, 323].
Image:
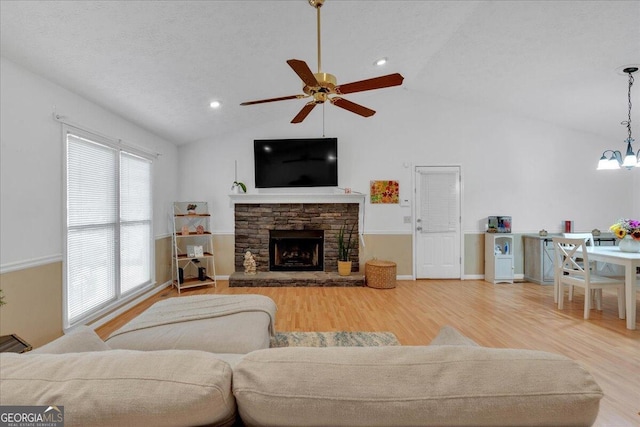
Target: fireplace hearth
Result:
[296, 250]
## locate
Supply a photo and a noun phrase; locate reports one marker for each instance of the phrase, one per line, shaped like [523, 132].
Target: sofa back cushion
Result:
[80, 339]
[413, 386]
[123, 387]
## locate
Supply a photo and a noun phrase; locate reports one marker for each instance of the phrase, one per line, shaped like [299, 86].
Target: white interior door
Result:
[438, 222]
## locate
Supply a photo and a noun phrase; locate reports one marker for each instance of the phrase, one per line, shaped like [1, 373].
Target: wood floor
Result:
[521, 315]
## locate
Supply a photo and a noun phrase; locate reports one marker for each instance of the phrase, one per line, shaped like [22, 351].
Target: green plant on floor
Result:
[345, 244]
[2, 298]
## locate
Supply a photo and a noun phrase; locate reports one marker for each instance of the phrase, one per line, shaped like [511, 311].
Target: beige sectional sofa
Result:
[452, 382]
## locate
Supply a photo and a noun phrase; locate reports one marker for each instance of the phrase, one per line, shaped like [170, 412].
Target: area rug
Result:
[333, 339]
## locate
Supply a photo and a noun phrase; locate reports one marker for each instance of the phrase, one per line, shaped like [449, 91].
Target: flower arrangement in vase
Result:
[628, 231]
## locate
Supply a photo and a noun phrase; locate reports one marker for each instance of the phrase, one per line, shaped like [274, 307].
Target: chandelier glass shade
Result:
[614, 159]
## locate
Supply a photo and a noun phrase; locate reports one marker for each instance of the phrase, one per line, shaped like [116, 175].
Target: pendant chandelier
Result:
[630, 160]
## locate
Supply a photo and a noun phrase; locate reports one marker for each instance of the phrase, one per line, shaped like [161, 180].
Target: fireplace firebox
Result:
[296, 250]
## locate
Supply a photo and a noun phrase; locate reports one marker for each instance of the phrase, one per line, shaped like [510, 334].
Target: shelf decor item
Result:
[238, 186]
[628, 231]
[499, 224]
[191, 209]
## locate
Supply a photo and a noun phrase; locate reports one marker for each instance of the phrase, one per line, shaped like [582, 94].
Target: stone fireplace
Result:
[255, 223]
[304, 228]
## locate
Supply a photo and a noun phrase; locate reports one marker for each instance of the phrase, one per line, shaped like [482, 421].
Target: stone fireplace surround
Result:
[256, 215]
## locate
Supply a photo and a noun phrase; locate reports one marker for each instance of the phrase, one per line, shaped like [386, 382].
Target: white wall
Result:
[511, 165]
[32, 156]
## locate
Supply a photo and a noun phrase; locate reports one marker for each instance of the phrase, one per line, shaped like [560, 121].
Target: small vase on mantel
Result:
[629, 244]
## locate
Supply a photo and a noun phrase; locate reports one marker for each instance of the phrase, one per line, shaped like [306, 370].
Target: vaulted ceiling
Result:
[160, 63]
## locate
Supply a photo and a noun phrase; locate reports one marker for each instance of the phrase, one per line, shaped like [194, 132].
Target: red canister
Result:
[568, 226]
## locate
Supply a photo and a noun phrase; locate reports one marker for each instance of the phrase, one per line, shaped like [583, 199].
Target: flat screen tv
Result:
[304, 162]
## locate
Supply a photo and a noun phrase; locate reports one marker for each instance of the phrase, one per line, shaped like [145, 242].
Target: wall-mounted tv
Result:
[303, 162]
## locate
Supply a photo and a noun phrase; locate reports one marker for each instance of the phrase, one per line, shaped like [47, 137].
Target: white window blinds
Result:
[109, 225]
[439, 210]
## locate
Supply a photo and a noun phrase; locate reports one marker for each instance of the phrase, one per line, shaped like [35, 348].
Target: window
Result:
[109, 251]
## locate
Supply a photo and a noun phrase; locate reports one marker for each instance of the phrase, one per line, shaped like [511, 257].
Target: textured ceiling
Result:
[160, 63]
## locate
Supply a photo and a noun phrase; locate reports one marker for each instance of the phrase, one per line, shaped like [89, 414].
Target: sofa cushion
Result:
[451, 336]
[237, 334]
[413, 386]
[80, 339]
[236, 324]
[123, 387]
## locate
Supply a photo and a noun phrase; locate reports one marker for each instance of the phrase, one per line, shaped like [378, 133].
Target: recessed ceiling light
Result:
[215, 104]
[380, 62]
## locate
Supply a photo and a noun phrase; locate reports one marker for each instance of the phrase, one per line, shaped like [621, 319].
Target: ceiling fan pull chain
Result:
[323, 120]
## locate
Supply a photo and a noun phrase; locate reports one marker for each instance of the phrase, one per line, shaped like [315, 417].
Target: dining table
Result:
[631, 263]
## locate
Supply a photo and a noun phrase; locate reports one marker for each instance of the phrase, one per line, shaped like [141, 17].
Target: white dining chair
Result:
[596, 294]
[571, 272]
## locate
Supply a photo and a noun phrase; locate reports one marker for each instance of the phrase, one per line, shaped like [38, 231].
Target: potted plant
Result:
[345, 244]
[191, 209]
[237, 186]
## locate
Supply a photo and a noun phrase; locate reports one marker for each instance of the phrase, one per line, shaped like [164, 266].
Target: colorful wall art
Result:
[385, 191]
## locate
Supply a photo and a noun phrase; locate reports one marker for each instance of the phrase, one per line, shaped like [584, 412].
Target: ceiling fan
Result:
[320, 86]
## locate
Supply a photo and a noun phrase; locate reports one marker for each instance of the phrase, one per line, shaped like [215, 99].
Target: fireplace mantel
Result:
[256, 198]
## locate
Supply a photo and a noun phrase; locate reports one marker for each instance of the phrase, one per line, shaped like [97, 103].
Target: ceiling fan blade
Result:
[370, 84]
[282, 98]
[304, 112]
[352, 106]
[303, 71]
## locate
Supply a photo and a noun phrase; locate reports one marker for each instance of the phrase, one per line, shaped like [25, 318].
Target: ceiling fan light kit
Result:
[630, 160]
[323, 87]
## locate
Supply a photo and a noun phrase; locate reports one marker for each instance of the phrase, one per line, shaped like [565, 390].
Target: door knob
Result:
[419, 228]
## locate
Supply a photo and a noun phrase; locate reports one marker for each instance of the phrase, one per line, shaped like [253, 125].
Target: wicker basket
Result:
[380, 274]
